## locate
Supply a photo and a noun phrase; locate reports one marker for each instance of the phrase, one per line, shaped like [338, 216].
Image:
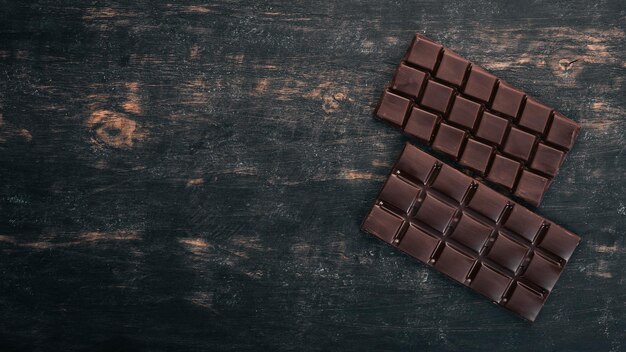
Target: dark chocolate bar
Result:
[481, 121]
[471, 233]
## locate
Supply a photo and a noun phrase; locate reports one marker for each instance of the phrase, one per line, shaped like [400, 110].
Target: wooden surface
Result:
[191, 176]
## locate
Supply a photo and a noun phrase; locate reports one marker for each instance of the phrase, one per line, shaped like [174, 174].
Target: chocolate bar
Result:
[469, 232]
[479, 120]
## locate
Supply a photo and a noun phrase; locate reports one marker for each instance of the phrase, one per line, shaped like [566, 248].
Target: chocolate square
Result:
[507, 252]
[382, 224]
[471, 233]
[437, 96]
[408, 80]
[452, 68]
[435, 213]
[508, 100]
[454, 263]
[421, 124]
[535, 115]
[393, 108]
[519, 143]
[416, 163]
[503, 171]
[490, 283]
[563, 131]
[418, 243]
[480, 84]
[524, 222]
[543, 272]
[525, 302]
[559, 241]
[532, 187]
[452, 183]
[492, 128]
[488, 202]
[449, 140]
[399, 193]
[424, 53]
[464, 112]
[476, 155]
[547, 159]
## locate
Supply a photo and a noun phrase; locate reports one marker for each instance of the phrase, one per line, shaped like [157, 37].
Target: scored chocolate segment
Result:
[469, 114]
[469, 232]
[422, 124]
[418, 243]
[452, 68]
[393, 108]
[532, 187]
[563, 131]
[490, 283]
[437, 96]
[507, 100]
[547, 159]
[449, 140]
[559, 241]
[424, 53]
[454, 263]
[535, 116]
[435, 213]
[465, 112]
[504, 171]
[382, 223]
[492, 128]
[542, 271]
[409, 80]
[519, 143]
[480, 84]
[476, 155]
[399, 193]
[525, 302]
[452, 182]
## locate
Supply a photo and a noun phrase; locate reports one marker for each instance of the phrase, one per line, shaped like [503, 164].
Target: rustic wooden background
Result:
[191, 176]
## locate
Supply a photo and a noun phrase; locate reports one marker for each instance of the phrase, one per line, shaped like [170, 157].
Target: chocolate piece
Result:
[508, 100]
[409, 80]
[492, 128]
[437, 96]
[532, 187]
[504, 171]
[449, 140]
[452, 68]
[480, 84]
[469, 232]
[393, 108]
[476, 155]
[482, 122]
[421, 124]
[418, 243]
[535, 115]
[563, 131]
[464, 112]
[424, 53]
[519, 143]
[547, 159]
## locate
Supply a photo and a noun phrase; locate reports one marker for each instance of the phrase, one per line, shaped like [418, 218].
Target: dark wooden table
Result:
[191, 176]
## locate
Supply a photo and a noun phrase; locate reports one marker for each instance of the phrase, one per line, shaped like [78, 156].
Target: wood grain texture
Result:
[191, 176]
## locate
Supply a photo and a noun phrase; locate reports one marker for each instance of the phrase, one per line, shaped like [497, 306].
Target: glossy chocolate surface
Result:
[469, 232]
[479, 120]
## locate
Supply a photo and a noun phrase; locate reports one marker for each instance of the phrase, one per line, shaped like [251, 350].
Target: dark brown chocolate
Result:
[483, 122]
[469, 232]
